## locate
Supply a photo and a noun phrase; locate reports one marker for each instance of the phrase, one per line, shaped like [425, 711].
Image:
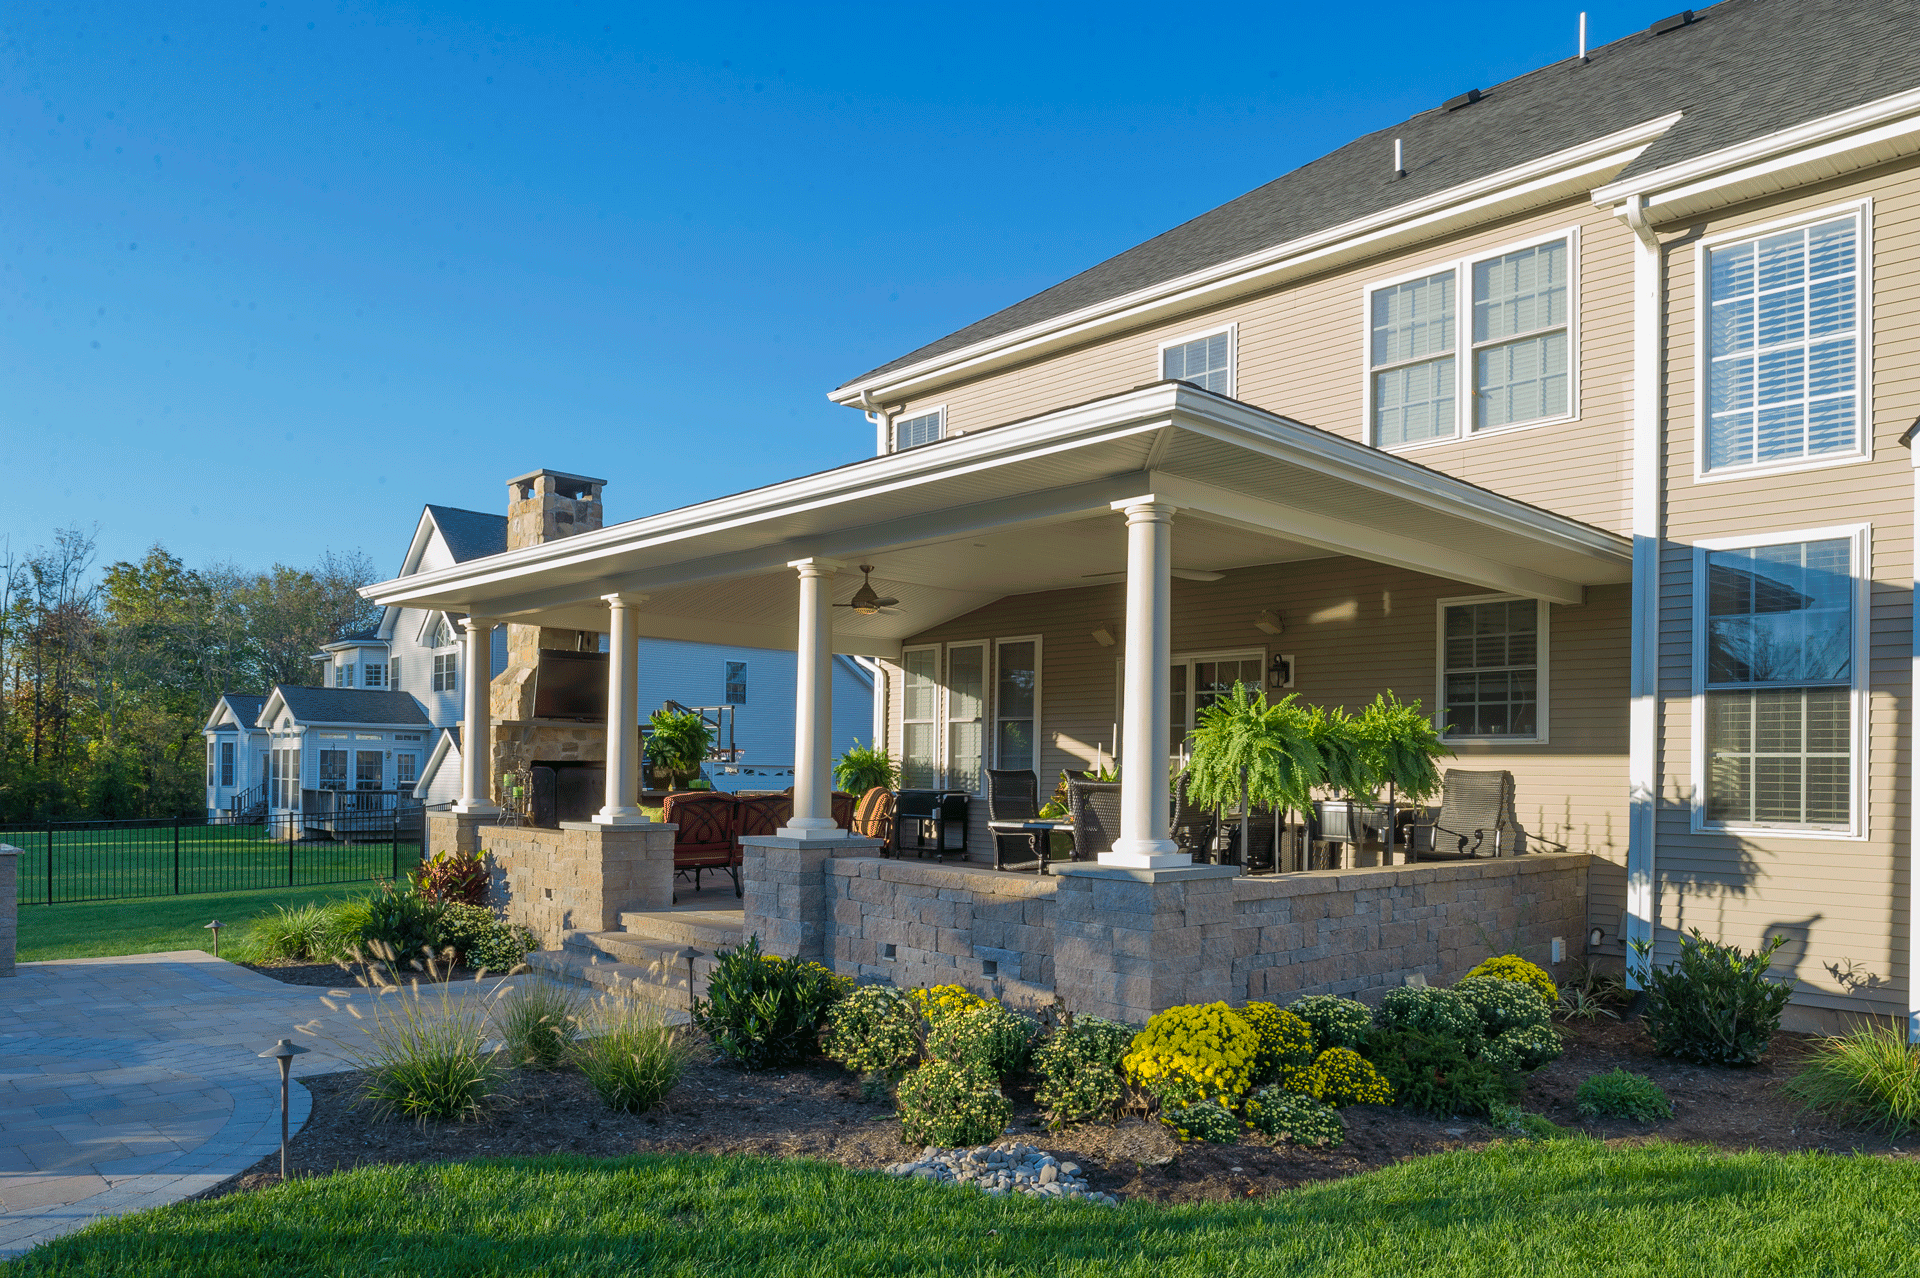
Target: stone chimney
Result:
[542, 506]
[546, 505]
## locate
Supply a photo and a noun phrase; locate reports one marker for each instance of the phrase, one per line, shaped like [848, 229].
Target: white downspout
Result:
[882, 423]
[1643, 722]
[1913, 774]
[879, 673]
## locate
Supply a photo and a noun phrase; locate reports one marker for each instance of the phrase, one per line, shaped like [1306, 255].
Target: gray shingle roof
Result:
[470, 534]
[245, 706]
[353, 705]
[1741, 70]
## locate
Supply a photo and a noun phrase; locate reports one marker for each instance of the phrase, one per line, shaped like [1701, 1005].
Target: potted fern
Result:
[677, 746]
[862, 768]
[1250, 750]
[1396, 749]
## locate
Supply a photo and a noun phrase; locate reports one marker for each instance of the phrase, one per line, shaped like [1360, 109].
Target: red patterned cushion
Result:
[705, 818]
[764, 814]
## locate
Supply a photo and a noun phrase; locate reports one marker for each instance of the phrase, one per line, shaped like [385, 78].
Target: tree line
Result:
[107, 678]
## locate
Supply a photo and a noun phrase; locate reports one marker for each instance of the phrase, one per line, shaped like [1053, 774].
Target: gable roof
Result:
[350, 705]
[1741, 70]
[245, 708]
[469, 534]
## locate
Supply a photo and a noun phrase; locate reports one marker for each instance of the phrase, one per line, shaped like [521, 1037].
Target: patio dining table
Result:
[1032, 825]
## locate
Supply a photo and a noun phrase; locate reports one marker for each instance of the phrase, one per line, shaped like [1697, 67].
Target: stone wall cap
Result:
[775, 841]
[7, 849]
[592, 827]
[1085, 870]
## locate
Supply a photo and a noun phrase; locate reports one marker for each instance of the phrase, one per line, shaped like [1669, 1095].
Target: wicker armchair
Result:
[1014, 795]
[842, 809]
[1193, 826]
[1476, 819]
[762, 815]
[1095, 807]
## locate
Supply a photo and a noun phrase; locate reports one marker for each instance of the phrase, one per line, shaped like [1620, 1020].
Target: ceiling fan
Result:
[865, 601]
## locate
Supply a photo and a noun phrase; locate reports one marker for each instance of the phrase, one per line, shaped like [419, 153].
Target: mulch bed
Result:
[336, 976]
[817, 1111]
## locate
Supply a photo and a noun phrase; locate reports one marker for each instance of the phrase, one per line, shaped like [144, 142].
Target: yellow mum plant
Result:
[1511, 967]
[1189, 1054]
[1344, 1077]
[1285, 1039]
[938, 1002]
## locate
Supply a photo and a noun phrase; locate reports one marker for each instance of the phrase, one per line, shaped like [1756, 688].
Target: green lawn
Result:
[1563, 1208]
[91, 928]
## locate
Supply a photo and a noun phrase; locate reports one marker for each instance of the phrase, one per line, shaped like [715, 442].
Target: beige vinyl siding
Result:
[1302, 353]
[1838, 900]
[1354, 629]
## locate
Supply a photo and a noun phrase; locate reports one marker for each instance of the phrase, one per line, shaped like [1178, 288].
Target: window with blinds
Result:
[1778, 641]
[1490, 668]
[922, 428]
[1783, 346]
[1513, 365]
[920, 714]
[1205, 361]
[966, 688]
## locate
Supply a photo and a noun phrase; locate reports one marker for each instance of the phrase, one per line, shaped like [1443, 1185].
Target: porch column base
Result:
[810, 828]
[475, 810]
[786, 890]
[1129, 942]
[1145, 854]
[621, 816]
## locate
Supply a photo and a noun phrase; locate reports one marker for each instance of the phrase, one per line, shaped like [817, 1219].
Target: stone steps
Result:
[708, 930]
[641, 960]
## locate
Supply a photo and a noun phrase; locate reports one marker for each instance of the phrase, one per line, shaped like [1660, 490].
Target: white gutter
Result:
[1643, 719]
[1564, 174]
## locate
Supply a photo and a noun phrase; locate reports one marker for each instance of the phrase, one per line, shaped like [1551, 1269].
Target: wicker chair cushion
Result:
[873, 815]
[707, 822]
[1095, 806]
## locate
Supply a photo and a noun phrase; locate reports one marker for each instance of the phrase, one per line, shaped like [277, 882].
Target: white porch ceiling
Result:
[1025, 507]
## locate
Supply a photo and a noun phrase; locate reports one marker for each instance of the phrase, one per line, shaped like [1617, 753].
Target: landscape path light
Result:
[215, 927]
[689, 954]
[284, 1051]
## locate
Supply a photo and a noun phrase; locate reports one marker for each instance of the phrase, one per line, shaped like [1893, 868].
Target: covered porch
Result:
[1138, 498]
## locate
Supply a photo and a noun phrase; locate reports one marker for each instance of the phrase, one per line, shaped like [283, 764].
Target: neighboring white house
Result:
[400, 681]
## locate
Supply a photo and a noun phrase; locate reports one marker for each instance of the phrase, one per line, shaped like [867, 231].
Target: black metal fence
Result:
[108, 860]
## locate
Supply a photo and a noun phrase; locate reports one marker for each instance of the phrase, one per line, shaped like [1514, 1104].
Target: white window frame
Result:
[947, 766]
[1232, 332]
[893, 427]
[1863, 379]
[1543, 681]
[1859, 823]
[993, 694]
[368, 678]
[1189, 660]
[452, 675]
[1464, 345]
[939, 719]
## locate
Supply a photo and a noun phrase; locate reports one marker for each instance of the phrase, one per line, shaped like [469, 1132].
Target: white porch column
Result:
[813, 706]
[476, 723]
[1145, 841]
[623, 714]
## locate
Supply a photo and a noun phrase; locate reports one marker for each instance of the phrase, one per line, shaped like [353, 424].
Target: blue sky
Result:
[273, 275]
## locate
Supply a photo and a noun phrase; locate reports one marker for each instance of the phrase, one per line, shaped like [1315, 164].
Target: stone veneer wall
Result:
[9, 906]
[1321, 932]
[575, 879]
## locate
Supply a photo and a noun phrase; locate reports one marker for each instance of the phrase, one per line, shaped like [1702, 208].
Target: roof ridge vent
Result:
[1672, 22]
[1468, 98]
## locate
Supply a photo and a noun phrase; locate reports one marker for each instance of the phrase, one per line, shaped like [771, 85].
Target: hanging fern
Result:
[1397, 745]
[1344, 766]
[1271, 744]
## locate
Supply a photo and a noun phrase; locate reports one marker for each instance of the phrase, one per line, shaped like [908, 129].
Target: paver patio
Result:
[133, 1082]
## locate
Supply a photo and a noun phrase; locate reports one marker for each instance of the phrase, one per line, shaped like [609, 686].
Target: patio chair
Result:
[924, 820]
[1095, 809]
[707, 837]
[1014, 795]
[1476, 819]
[842, 809]
[1262, 836]
[873, 817]
[762, 815]
[1192, 825]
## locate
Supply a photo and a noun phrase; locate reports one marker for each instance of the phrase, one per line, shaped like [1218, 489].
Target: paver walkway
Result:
[133, 1082]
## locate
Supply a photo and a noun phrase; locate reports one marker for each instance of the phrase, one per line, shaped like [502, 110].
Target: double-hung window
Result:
[736, 683]
[921, 428]
[1511, 364]
[1777, 668]
[226, 763]
[376, 675]
[1783, 346]
[445, 672]
[1016, 703]
[920, 714]
[1492, 669]
[209, 764]
[343, 675]
[1206, 360]
[966, 688]
[967, 707]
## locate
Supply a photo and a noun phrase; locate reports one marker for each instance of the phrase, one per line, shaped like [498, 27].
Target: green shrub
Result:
[1285, 1039]
[937, 1002]
[406, 924]
[1193, 1053]
[1336, 1021]
[632, 1057]
[1434, 1012]
[1871, 1076]
[1510, 1120]
[1435, 1075]
[483, 941]
[1621, 1094]
[1078, 1066]
[874, 1031]
[425, 1061]
[536, 1019]
[1503, 1005]
[1511, 967]
[1341, 1076]
[1715, 1006]
[762, 1011]
[451, 878]
[951, 1105]
[1289, 1116]
[1205, 1121]
[1522, 1050]
[300, 934]
[992, 1039]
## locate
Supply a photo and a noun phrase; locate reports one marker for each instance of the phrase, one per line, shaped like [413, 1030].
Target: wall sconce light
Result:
[1268, 621]
[1103, 636]
[1280, 673]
